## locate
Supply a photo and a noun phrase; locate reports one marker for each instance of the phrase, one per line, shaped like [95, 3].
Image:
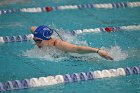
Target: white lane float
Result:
[28, 37]
[68, 78]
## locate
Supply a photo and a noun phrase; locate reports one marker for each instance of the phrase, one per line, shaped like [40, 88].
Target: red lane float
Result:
[108, 29]
[48, 9]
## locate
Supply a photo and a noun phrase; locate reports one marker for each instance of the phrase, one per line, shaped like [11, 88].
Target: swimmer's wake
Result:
[53, 54]
[117, 53]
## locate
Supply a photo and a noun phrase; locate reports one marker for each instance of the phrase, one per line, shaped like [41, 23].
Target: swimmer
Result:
[42, 37]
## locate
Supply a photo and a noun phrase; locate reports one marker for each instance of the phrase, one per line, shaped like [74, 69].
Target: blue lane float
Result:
[67, 78]
[66, 7]
[21, 38]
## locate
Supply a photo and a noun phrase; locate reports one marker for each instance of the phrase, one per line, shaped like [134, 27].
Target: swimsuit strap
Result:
[55, 41]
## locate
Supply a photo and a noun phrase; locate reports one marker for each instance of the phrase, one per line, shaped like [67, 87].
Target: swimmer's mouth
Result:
[37, 40]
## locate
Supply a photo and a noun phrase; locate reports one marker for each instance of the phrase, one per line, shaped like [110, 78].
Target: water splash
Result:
[45, 53]
[56, 55]
[67, 36]
[116, 52]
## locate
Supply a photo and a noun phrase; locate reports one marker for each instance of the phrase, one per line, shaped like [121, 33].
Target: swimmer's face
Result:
[33, 28]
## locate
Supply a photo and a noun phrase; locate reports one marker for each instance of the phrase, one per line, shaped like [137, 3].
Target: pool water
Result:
[20, 60]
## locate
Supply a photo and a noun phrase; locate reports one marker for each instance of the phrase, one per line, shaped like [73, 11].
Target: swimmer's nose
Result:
[33, 28]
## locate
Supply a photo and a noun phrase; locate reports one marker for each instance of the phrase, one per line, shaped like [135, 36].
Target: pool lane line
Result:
[21, 38]
[108, 29]
[69, 7]
[18, 38]
[67, 78]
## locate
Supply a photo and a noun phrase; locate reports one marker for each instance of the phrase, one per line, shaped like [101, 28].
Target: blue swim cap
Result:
[43, 32]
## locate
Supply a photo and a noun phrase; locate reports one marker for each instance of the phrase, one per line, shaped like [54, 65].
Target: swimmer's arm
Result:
[75, 48]
[86, 49]
[102, 53]
[83, 49]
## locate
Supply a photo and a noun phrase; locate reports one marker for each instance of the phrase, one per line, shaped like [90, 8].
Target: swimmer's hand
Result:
[104, 54]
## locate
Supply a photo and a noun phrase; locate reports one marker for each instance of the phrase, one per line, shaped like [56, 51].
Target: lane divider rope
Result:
[21, 38]
[67, 78]
[18, 38]
[109, 29]
[66, 7]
